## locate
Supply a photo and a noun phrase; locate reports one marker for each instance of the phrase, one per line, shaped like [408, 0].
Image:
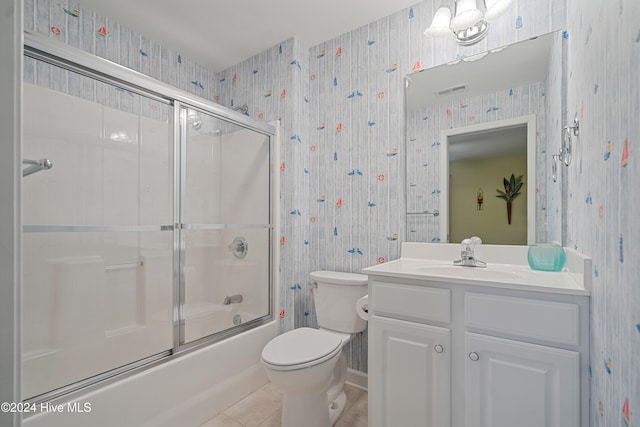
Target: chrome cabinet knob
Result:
[438, 348]
[474, 356]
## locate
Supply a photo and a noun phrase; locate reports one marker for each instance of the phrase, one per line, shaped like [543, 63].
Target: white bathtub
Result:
[185, 391]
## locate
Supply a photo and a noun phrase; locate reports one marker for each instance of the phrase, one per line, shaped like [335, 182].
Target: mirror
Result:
[471, 124]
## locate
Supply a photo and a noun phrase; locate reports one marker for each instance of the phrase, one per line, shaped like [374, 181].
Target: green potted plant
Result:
[511, 191]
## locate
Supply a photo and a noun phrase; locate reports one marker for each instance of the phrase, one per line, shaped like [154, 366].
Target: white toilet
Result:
[308, 364]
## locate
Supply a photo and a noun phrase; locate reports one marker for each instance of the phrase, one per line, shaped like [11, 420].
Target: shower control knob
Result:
[438, 348]
[239, 247]
[474, 356]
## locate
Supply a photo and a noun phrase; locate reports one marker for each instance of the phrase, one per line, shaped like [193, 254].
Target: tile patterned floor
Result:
[263, 408]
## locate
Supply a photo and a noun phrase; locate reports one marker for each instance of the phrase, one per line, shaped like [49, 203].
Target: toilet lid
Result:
[301, 347]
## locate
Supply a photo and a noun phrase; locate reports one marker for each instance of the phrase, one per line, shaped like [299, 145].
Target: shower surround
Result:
[128, 246]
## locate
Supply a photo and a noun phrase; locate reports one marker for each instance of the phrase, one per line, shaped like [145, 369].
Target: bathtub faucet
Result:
[233, 299]
[467, 253]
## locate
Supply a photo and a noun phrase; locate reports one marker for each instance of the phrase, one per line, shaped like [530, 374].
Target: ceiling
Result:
[502, 142]
[220, 33]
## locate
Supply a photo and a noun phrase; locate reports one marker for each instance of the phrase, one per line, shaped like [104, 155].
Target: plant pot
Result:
[509, 212]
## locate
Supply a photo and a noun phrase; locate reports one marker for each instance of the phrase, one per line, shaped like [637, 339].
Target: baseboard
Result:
[357, 379]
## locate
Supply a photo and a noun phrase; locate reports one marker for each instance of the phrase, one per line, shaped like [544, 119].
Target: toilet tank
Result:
[336, 296]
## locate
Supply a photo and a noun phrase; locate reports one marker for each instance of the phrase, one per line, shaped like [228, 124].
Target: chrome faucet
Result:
[467, 253]
[233, 299]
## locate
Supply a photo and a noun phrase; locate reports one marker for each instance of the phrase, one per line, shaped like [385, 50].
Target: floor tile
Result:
[221, 421]
[257, 407]
[273, 421]
[355, 414]
[263, 408]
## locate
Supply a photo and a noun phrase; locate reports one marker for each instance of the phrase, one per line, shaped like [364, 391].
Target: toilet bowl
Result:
[308, 364]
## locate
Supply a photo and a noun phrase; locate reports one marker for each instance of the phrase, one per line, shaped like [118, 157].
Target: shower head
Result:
[194, 119]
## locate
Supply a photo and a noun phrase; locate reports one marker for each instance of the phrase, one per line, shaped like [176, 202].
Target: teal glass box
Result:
[546, 257]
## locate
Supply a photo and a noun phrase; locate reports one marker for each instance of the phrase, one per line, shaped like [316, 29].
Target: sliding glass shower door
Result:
[97, 235]
[225, 227]
[146, 227]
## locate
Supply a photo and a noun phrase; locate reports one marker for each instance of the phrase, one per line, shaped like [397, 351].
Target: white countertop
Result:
[433, 261]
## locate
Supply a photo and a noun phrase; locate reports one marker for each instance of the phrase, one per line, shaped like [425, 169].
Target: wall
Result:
[356, 116]
[555, 119]
[603, 199]
[343, 174]
[490, 223]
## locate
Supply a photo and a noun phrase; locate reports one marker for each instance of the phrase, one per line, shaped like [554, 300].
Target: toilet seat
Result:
[300, 348]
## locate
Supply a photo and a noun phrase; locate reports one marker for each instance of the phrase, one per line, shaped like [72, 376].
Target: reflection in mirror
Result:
[501, 112]
[477, 159]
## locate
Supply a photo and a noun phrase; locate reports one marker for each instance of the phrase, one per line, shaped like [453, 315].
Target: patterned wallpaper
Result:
[271, 85]
[343, 148]
[104, 37]
[357, 130]
[350, 141]
[603, 200]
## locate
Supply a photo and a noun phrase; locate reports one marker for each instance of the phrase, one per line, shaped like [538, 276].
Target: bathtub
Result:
[184, 391]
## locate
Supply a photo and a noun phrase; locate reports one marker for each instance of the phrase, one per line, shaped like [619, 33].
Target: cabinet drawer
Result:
[410, 302]
[550, 321]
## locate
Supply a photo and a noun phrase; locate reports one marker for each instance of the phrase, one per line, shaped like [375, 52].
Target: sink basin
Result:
[488, 273]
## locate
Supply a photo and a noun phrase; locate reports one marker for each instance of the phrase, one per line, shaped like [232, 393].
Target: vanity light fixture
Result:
[469, 24]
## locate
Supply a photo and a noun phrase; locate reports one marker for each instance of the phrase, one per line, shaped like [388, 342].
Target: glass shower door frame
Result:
[44, 49]
[182, 226]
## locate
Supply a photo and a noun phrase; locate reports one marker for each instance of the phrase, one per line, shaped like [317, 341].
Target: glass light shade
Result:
[473, 34]
[467, 15]
[440, 25]
[496, 8]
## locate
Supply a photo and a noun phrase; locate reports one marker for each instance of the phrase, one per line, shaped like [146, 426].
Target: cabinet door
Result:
[511, 383]
[409, 374]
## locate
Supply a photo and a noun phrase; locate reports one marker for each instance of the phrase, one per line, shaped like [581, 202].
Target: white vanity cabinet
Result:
[414, 354]
[446, 354]
[411, 359]
[511, 383]
[532, 378]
